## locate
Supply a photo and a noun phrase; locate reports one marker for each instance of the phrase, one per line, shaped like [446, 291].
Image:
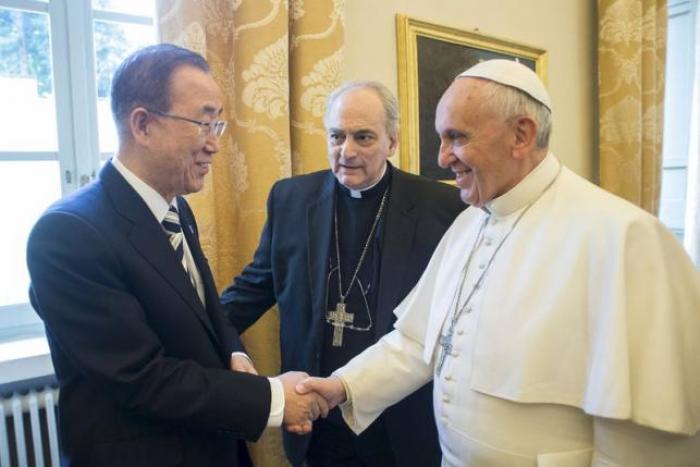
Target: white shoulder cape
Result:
[590, 303]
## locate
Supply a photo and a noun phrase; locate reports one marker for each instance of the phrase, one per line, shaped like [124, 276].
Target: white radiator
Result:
[32, 444]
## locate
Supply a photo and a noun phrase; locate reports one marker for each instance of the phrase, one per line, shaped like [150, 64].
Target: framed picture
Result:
[429, 57]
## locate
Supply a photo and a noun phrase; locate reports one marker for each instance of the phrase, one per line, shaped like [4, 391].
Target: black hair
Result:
[143, 79]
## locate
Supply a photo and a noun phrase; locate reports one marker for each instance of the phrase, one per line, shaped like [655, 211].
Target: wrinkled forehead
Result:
[463, 95]
[357, 107]
[190, 85]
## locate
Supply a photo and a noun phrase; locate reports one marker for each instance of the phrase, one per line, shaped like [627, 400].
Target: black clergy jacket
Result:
[143, 366]
[290, 268]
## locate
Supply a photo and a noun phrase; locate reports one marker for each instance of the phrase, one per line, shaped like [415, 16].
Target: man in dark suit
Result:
[341, 248]
[140, 345]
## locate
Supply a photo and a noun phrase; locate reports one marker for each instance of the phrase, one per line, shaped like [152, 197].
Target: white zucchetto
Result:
[513, 74]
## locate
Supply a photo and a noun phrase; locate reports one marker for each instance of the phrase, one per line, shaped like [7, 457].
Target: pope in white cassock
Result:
[560, 323]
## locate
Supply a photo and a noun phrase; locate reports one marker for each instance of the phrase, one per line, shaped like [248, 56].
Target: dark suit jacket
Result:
[142, 364]
[290, 268]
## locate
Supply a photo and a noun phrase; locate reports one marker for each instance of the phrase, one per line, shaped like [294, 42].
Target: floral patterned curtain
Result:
[276, 62]
[631, 71]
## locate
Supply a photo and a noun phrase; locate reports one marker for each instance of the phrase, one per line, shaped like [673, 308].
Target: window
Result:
[680, 69]
[55, 136]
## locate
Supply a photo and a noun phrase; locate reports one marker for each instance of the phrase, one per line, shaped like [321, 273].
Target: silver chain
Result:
[363, 293]
[458, 293]
[364, 249]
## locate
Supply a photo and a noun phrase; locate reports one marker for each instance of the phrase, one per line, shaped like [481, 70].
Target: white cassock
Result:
[580, 347]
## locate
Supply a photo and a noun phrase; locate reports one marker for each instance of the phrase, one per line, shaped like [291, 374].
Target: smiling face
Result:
[358, 141]
[480, 147]
[180, 152]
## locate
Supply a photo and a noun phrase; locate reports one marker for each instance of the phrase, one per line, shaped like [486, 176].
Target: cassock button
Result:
[482, 266]
[468, 310]
[446, 399]
[488, 241]
[455, 354]
[448, 377]
[494, 221]
[460, 332]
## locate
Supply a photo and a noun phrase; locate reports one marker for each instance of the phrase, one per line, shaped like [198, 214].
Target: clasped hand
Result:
[305, 399]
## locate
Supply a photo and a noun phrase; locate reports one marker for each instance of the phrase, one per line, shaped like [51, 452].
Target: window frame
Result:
[78, 155]
[672, 209]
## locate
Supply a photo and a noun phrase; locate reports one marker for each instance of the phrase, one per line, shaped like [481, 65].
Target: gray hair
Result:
[391, 106]
[508, 102]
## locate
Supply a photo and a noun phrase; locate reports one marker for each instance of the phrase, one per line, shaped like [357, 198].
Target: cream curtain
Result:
[631, 70]
[276, 62]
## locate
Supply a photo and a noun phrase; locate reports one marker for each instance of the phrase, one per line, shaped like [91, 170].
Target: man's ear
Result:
[393, 143]
[525, 131]
[139, 122]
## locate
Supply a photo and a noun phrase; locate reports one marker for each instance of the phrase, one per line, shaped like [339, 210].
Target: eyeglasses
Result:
[215, 128]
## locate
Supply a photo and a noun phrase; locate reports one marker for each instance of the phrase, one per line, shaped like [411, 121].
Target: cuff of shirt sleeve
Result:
[243, 354]
[276, 403]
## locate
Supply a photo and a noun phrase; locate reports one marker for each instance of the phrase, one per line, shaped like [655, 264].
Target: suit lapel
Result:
[400, 226]
[147, 237]
[318, 226]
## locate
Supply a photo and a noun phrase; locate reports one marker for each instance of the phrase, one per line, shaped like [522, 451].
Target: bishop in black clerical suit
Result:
[341, 248]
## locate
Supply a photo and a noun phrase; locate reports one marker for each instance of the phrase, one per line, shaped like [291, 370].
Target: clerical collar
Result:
[371, 191]
[527, 190]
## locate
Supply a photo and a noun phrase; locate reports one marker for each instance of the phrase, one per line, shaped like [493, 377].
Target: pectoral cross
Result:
[338, 320]
[446, 344]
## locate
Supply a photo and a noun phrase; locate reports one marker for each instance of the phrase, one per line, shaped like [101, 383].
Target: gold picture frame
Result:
[446, 52]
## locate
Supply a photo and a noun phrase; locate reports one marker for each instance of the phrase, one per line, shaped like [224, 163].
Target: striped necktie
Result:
[171, 225]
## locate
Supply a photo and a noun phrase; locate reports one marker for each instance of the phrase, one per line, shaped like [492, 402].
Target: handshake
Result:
[307, 398]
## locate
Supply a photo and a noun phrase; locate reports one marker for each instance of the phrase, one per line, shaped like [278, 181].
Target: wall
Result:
[565, 28]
